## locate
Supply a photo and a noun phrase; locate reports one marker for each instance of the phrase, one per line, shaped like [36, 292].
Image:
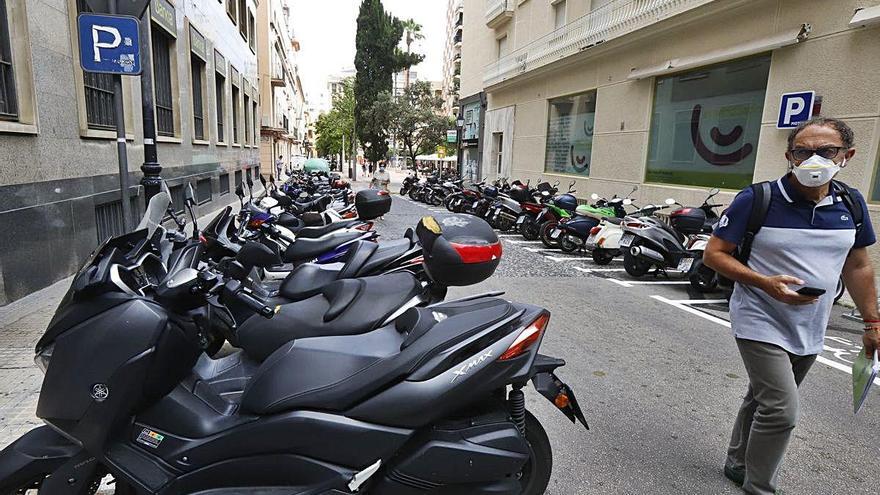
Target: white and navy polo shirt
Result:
[800, 238]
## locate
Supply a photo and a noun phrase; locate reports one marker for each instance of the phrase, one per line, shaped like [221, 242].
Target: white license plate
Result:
[685, 264]
[520, 220]
[555, 234]
[626, 240]
[591, 239]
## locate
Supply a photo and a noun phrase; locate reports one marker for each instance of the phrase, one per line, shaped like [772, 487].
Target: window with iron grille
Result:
[8, 98]
[247, 120]
[224, 184]
[237, 178]
[220, 94]
[242, 18]
[108, 218]
[198, 72]
[235, 115]
[99, 94]
[162, 49]
[203, 191]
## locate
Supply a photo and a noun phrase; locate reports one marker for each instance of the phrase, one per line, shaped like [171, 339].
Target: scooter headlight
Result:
[42, 359]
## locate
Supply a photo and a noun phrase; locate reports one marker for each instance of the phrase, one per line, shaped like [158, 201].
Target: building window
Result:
[203, 191]
[224, 184]
[8, 97]
[498, 151]
[256, 126]
[559, 14]
[570, 134]
[502, 46]
[198, 80]
[706, 125]
[235, 113]
[100, 109]
[242, 18]
[231, 10]
[163, 47]
[247, 120]
[252, 42]
[220, 95]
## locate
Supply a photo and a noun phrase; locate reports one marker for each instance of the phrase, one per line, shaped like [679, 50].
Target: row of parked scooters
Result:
[658, 240]
[282, 350]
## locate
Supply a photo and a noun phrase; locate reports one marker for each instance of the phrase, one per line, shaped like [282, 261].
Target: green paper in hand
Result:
[864, 372]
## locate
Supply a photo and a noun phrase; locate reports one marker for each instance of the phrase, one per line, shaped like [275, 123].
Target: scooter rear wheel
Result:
[703, 278]
[634, 266]
[546, 229]
[602, 256]
[535, 475]
[567, 245]
[529, 230]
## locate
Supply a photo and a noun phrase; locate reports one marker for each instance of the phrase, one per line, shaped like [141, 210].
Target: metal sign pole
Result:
[121, 145]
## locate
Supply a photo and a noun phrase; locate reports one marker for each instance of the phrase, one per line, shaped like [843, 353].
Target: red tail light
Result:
[477, 253]
[595, 230]
[365, 226]
[382, 193]
[526, 338]
[350, 214]
[636, 225]
[255, 224]
[682, 211]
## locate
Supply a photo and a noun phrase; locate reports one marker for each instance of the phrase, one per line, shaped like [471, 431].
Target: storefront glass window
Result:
[570, 134]
[706, 124]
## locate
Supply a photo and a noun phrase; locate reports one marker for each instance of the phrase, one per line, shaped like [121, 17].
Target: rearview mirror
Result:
[239, 191]
[263, 180]
[713, 191]
[594, 196]
[627, 201]
[189, 196]
[669, 201]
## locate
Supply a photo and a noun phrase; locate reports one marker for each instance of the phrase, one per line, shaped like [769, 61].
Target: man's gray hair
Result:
[845, 131]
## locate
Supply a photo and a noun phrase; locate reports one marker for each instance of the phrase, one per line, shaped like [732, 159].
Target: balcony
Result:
[616, 19]
[498, 12]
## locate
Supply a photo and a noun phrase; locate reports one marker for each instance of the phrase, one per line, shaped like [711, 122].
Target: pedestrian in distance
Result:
[279, 165]
[783, 243]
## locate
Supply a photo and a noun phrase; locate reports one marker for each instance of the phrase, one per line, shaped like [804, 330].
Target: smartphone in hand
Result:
[810, 291]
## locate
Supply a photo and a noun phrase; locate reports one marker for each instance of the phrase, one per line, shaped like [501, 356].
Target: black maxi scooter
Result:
[424, 400]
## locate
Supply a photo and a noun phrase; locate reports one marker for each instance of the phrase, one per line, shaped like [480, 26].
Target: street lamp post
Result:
[459, 127]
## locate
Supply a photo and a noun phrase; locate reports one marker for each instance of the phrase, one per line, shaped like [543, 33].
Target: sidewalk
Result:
[22, 323]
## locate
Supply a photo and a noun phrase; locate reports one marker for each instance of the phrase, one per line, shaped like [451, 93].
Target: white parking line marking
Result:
[703, 301]
[598, 270]
[714, 319]
[539, 250]
[563, 260]
[658, 282]
[519, 241]
[513, 235]
[619, 282]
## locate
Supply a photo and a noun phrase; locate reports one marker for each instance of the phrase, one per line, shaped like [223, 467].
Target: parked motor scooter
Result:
[562, 206]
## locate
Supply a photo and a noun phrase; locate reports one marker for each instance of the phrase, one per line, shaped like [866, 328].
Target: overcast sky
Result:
[326, 31]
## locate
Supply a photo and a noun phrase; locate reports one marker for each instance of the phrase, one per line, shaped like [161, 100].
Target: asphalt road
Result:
[658, 375]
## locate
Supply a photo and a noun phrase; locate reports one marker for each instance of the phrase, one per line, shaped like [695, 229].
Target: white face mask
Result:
[816, 171]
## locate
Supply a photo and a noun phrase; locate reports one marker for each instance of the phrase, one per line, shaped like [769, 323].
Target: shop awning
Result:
[753, 47]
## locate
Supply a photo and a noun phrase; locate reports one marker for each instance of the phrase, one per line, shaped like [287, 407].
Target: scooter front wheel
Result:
[529, 230]
[546, 230]
[703, 278]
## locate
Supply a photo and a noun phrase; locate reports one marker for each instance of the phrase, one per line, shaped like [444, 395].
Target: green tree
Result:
[377, 58]
[336, 123]
[414, 118]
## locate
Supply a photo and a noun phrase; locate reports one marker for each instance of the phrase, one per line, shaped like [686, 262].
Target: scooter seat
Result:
[334, 373]
[613, 220]
[315, 232]
[343, 307]
[305, 249]
[385, 253]
[290, 221]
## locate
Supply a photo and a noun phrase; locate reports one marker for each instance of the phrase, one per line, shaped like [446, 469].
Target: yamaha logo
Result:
[100, 392]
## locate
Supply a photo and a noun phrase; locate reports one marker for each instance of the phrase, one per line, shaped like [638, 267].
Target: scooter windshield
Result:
[155, 212]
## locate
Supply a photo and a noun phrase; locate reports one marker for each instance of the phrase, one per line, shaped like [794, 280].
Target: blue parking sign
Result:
[795, 108]
[109, 44]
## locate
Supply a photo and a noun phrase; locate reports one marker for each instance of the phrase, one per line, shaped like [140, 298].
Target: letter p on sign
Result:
[795, 108]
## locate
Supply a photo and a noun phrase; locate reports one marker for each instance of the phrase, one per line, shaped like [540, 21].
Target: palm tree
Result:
[413, 31]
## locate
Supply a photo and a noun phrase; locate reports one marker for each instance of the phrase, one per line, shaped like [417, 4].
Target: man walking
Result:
[808, 238]
[279, 166]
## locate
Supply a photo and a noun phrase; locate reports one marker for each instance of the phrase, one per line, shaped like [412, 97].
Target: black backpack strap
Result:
[760, 206]
[847, 196]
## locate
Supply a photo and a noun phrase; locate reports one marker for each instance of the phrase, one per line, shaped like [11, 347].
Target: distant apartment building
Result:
[60, 192]
[452, 56]
[283, 123]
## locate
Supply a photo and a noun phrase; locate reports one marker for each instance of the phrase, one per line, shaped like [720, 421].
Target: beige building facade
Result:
[283, 123]
[675, 96]
[452, 56]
